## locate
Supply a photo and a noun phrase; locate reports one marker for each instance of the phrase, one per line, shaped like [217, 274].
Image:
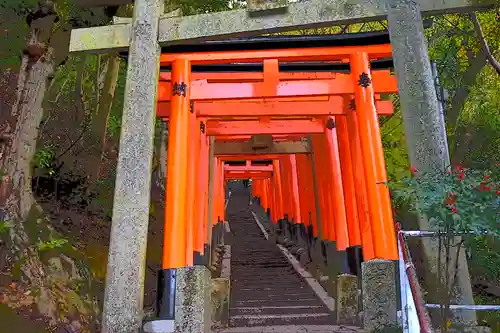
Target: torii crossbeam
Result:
[301, 15]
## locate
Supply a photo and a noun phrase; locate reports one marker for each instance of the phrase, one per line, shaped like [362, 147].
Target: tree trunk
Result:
[20, 132]
[101, 119]
[468, 80]
[484, 45]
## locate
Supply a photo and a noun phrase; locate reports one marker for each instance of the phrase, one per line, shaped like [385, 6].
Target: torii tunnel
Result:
[299, 117]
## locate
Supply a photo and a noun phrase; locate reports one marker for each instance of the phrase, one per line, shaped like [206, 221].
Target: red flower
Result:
[413, 170]
[486, 177]
[451, 199]
[497, 192]
[487, 188]
[454, 209]
[461, 175]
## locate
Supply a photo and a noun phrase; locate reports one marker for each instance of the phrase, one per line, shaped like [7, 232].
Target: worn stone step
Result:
[291, 319]
[274, 295]
[276, 310]
[263, 298]
[251, 288]
[292, 329]
[275, 302]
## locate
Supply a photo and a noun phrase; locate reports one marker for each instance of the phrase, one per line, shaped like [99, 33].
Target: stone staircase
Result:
[267, 294]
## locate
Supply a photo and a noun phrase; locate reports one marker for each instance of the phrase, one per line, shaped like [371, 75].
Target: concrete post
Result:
[123, 302]
[425, 134]
[193, 294]
[347, 300]
[379, 294]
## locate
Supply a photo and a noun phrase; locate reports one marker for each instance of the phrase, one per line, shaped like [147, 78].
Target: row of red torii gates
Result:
[329, 121]
[319, 130]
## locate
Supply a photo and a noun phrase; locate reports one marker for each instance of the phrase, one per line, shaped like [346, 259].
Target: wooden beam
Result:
[256, 127]
[342, 85]
[251, 168]
[276, 138]
[259, 157]
[237, 23]
[232, 109]
[244, 148]
[248, 175]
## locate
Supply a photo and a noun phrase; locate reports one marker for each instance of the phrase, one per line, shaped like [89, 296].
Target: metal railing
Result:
[414, 313]
[414, 316]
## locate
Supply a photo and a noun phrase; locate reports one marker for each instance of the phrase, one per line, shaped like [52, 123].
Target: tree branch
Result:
[484, 45]
[468, 79]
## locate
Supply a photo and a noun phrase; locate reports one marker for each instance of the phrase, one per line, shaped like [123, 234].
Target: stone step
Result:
[276, 310]
[312, 301]
[254, 288]
[292, 329]
[274, 295]
[291, 319]
[296, 299]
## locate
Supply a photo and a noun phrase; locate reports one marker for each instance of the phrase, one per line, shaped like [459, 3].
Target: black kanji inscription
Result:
[179, 89]
[330, 123]
[202, 127]
[191, 107]
[364, 80]
[352, 105]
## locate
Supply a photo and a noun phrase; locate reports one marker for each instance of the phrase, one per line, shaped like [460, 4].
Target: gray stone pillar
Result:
[379, 294]
[193, 294]
[347, 300]
[425, 134]
[123, 302]
[427, 142]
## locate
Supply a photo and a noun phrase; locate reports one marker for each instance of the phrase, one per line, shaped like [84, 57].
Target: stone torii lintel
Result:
[238, 23]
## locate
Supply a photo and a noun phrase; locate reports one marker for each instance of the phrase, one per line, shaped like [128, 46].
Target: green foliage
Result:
[191, 7]
[462, 201]
[454, 44]
[44, 159]
[4, 227]
[485, 254]
[51, 244]
[114, 125]
[490, 318]
[394, 143]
